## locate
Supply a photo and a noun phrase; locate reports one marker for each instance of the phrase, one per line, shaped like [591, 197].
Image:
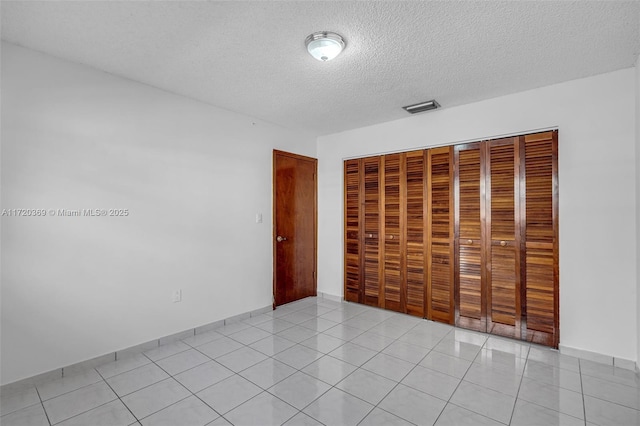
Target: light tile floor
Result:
[316, 361]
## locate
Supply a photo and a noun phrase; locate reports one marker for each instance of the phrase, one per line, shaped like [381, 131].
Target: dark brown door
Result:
[295, 226]
[371, 238]
[539, 221]
[471, 308]
[503, 242]
[414, 232]
[440, 253]
[394, 291]
[353, 216]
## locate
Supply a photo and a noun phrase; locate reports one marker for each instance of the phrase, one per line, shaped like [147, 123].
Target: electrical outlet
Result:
[258, 217]
[176, 296]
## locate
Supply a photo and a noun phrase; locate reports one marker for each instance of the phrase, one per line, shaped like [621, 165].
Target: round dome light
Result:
[324, 46]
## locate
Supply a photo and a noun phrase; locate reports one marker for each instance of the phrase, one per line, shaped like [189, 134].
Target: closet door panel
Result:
[503, 244]
[371, 230]
[415, 233]
[393, 212]
[541, 233]
[352, 236]
[440, 257]
[470, 264]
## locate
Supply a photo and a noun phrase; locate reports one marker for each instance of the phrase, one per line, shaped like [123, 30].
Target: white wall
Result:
[595, 117]
[192, 176]
[638, 205]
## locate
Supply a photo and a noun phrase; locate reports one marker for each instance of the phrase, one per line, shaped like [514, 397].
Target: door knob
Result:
[281, 239]
[469, 241]
[503, 243]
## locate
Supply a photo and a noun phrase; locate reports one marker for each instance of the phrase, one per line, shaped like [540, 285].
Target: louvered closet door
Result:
[469, 216]
[503, 244]
[414, 238]
[540, 228]
[393, 212]
[440, 253]
[352, 220]
[371, 229]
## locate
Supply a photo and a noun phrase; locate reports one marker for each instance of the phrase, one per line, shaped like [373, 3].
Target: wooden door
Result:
[415, 230]
[539, 226]
[370, 229]
[392, 226]
[439, 233]
[465, 235]
[470, 274]
[352, 237]
[295, 226]
[502, 221]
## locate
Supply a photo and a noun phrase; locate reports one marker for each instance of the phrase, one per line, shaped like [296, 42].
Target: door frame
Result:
[274, 223]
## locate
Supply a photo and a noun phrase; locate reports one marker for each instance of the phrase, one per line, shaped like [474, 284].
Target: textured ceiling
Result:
[250, 57]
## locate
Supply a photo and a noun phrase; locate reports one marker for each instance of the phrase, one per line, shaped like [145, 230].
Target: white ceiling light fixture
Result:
[324, 45]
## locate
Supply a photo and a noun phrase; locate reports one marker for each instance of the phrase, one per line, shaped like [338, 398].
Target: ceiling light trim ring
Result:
[324, 45]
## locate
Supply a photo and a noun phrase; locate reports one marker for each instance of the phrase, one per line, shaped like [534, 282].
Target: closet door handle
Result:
[469, 241]
[503, 243]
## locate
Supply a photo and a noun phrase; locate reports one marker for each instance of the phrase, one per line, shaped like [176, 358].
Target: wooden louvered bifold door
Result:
[465, 234]
[503, 242]
[352, 237]
[439, 232]
[393, 211]
[469, 237]
[371, 231]
[540, 229]
[415, 232]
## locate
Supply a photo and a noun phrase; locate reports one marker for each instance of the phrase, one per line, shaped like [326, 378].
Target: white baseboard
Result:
[329, 296]
[123, 353]
[627, 364]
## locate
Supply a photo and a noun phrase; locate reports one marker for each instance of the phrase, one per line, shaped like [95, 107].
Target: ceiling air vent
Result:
[422, 106]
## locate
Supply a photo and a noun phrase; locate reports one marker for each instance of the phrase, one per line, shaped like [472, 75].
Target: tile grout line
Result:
[42, 404]
[238, 373]
[515, 402]
[598, 398]
[117, 396]
[263, 390]
[553, 385]
[68, 392]
[377, 405]
[303, 372]
[461, 380]
[267, 390]
[176, 402]
[86, 411]
[333, 386]
[298, 370]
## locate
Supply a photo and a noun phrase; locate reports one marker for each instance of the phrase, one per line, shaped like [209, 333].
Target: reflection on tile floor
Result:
[317, 361]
